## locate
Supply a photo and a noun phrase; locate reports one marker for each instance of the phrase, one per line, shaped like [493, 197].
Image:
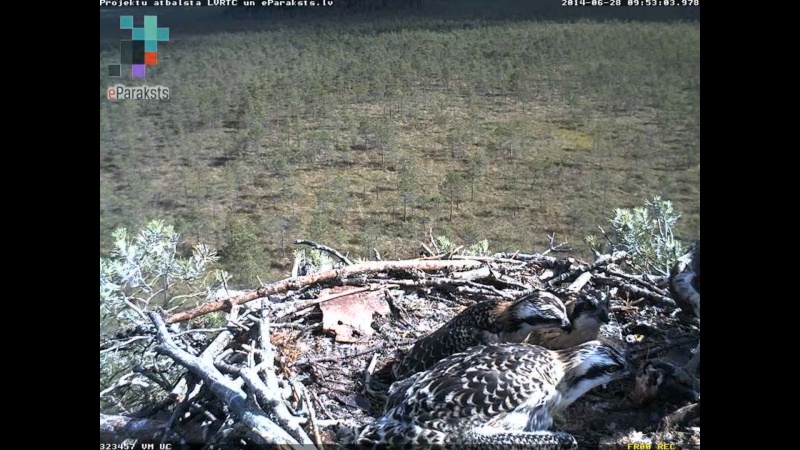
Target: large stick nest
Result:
[291, 365]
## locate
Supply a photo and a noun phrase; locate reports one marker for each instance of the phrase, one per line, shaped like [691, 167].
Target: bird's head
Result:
[589, 365]
[541, 310]
[589, 310]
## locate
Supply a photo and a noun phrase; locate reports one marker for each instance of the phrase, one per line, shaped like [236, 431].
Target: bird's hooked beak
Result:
[566, 325]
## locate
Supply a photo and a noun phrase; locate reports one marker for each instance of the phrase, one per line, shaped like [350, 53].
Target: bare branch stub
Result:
[552, 247]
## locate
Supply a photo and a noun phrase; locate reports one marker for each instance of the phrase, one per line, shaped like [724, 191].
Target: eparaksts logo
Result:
[120, 92]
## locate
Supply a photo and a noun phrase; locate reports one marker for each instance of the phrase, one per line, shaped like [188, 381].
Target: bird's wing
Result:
[444, 342]
[487, 383]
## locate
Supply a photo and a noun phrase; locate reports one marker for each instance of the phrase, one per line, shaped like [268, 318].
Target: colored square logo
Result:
[141, 50]
[125, 22]
[150, 58]
[137, 70]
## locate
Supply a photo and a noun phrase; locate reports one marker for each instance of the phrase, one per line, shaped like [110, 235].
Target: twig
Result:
[217, 346]
[608, 239]
[449, 255]
[125, 380]
[575, 271]
[135, 308]
[200, 330]
[123, 344]
[150, 374]
[681, 415]
[562, 247]
[238, 324]
[321, 277]
[265, 430]
[395, 309]
[634, 290]
[427, 249]
[336, 358]
[296, 266]
[312, 418]
[325, 248]
[491, 259]
[580, 282]
[477, 274]
[644, 353]
[433, 241]
[320, 404]
[637, 280]
[516, 257]
[491, 289]
[168, 431]
[448, 284]
[370, 368]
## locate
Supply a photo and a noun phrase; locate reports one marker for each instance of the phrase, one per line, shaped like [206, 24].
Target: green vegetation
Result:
[367, 135]
[646, 233]
[151, 269]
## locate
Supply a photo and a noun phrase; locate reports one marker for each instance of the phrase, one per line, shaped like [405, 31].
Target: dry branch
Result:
[681, 415]
[321, 277]
[267, 431]
[575, 271]
[326, 249]
[634, 290]
[179, 392]
[614, 271]
[580, 282]
[114, 428]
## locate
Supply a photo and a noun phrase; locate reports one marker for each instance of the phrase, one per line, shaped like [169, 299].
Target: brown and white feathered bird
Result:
[684, 285]
[493, 397]
[587, 312]
[487, 322]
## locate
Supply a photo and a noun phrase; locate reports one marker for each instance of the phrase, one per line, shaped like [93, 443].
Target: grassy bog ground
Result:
[367, 132]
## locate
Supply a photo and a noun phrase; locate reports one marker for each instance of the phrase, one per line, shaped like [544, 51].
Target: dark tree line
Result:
[342, 5]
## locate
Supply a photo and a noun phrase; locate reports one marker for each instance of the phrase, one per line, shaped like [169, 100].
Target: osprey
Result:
[684, 285]
[487, 322]
[587, 313]
[493, 396]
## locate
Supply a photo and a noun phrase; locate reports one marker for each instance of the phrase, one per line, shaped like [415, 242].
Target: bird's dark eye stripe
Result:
[597, 371]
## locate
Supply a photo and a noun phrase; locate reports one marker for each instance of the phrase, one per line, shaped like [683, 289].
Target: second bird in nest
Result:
[487, 322]
[587, 312]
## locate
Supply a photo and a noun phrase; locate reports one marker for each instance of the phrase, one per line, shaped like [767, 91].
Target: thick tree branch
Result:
[321, 277]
